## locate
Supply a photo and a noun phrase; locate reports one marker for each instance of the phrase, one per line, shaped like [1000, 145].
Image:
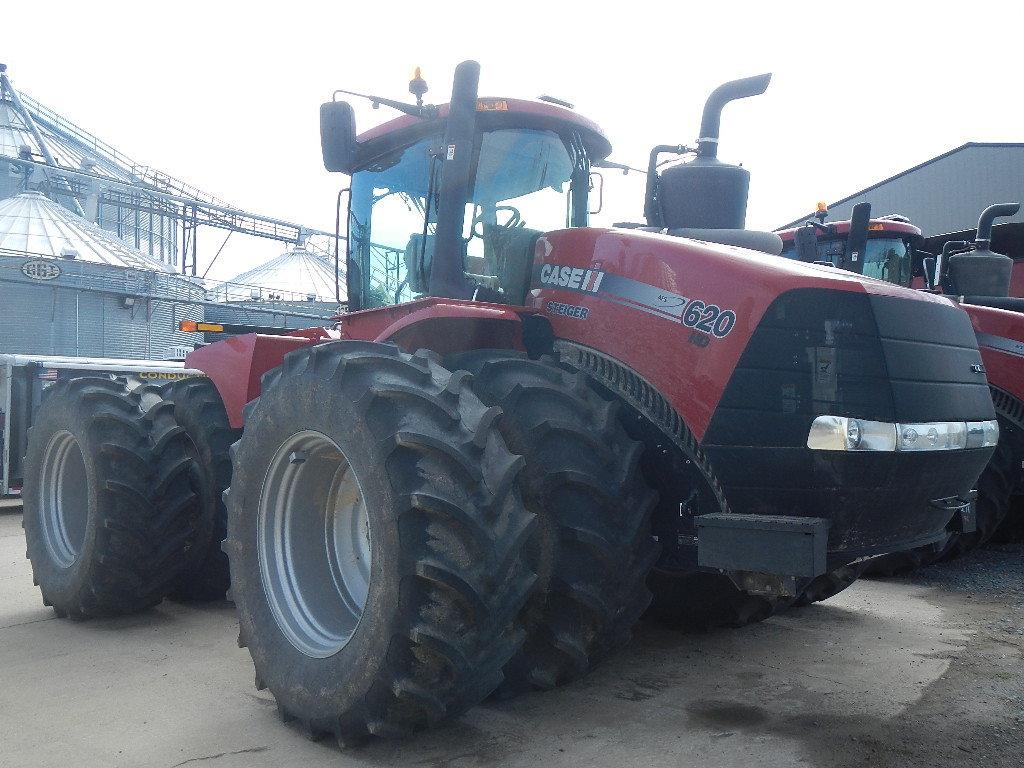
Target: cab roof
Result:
[875, 226]
[494, 113]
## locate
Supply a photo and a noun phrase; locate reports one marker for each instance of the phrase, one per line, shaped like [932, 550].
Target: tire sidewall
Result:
[320, 687]
[60, 585]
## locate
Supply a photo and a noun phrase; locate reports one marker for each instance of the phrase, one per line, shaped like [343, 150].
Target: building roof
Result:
[33, 225]
[295, 275]
[17, 141]
[74, 148]
[862, 193]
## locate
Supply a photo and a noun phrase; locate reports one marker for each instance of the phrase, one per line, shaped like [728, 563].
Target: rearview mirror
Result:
[338, 136]
[596, 186]
[928, 265]
[857, 239]
[806, 245]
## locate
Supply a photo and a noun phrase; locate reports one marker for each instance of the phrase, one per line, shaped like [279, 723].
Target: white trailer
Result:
[24, 380]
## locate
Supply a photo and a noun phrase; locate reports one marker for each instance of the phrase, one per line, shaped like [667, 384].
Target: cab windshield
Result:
[885, 258]
[888, 258]
[524, 182]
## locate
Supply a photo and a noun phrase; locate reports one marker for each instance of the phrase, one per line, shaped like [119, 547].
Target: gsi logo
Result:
[40, 269]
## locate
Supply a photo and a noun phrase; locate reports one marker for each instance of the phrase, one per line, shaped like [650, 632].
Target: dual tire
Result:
[199, 411]
[110, 499]
[502, 534]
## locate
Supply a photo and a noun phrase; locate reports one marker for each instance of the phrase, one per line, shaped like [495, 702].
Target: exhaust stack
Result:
[981, 272]
[704, 193]
[711, 120]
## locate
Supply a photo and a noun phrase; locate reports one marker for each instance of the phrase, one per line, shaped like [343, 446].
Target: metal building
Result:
[69, 287]
[946, 193]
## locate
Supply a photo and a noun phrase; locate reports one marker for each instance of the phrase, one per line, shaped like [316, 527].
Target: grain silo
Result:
[280, 292]
[36, 141]
[69, 287]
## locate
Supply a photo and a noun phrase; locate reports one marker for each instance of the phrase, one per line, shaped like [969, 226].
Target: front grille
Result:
[885, 359]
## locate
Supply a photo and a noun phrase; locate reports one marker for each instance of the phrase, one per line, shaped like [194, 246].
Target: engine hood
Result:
[751, 267]
[681, 312]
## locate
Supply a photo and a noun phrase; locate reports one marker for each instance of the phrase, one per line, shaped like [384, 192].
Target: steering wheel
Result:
[515, 219]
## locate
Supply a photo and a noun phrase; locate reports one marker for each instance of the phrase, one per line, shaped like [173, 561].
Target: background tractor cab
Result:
[882, 248]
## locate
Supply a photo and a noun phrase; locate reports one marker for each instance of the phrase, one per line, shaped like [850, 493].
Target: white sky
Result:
[226, 95]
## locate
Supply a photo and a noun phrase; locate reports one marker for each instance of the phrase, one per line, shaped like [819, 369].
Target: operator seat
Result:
[510, 250]
[417, 271]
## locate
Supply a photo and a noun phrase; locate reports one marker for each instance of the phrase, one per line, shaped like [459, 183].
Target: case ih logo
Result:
[571, 277]
[39, 269]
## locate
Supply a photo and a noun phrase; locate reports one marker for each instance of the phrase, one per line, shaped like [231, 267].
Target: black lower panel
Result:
[874, 501]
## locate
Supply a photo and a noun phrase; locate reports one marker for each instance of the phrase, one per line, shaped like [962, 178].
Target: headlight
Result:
[934, 436]
[838, 433]
[841, 433]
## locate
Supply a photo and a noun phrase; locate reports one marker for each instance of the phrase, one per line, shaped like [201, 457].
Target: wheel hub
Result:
[314, 544]
[64, 499]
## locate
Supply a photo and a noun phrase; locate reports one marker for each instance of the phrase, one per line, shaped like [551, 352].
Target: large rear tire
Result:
[593, 549]
[109, 500]
[684, 597]
[375, 534]
[198, 408]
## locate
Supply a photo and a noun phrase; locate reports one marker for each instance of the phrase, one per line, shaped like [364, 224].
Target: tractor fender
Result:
[236, 365]
[450, 327]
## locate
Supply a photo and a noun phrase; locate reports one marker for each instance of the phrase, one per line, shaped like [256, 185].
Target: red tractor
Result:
[522, 428]
[889, 248]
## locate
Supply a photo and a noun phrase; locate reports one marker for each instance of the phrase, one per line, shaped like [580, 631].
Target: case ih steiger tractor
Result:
[523, 426]
[888, 249]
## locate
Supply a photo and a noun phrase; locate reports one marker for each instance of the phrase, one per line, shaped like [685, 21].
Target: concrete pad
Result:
[170, 688]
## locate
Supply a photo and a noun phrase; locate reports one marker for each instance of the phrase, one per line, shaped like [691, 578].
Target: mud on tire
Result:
[199, 410]
[109, 500]
[593, 548]
[360, 426]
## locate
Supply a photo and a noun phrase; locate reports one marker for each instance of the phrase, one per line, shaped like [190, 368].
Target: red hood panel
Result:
[680, 312]
[1001, 340]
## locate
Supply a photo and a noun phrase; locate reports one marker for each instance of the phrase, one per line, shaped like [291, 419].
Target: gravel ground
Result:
[974, 713]
[922, 672]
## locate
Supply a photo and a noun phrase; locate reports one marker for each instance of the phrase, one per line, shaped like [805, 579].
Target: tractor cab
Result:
[450, 201]
[883, 248]
[480, 179]
[890, 249]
